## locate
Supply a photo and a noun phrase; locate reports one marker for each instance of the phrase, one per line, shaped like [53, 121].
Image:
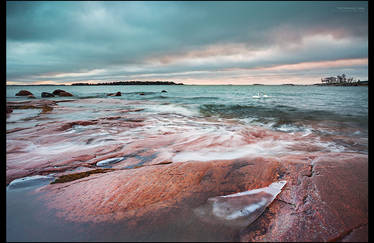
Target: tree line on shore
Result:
[132, 83]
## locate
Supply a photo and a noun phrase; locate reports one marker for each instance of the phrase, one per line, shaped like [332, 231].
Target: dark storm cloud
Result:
[49, 38]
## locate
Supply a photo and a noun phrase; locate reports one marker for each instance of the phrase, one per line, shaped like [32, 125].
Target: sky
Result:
[215, 43]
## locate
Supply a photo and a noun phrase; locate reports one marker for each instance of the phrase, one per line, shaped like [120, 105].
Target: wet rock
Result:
[31, 97]
[46, 95]
[65, 94]
[115, 94]
[163, 91]
[141, 94]
[9, 110]
[46, 109]
[156, 190]
[328, 198]
[81, 123]
[76, 176]
[61, 92]
[24, 93]
[58, 91]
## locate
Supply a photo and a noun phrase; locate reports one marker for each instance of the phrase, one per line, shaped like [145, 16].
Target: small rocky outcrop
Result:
[115, 94]
[164, 91]
[47, 95]
[61, 92]
[65, 94]
[24, 93]
[9, 110]
[31, 96]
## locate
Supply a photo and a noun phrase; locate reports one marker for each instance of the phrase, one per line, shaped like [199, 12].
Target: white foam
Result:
[173, 108]
[227, 153]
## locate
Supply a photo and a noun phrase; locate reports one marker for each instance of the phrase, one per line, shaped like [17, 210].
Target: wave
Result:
[279, 116]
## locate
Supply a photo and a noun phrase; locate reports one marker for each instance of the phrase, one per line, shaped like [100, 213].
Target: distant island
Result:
[132, 83]
[341, 80]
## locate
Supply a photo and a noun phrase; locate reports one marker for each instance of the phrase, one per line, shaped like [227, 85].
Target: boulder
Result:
[46, 95]
[24, 93]
[115, 94]
[141, 93]
[164, 91]
[58, 91]
[31, 96]
[61, 92]
[64, 93]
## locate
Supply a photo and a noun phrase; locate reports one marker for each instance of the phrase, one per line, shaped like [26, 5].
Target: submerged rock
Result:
[115, 94]
[9, 110]
[46, 95]
[239, 209]
[24, 93]
[29, 181]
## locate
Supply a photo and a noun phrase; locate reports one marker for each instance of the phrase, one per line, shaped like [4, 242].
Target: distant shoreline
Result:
[130, 83]
[360, 83]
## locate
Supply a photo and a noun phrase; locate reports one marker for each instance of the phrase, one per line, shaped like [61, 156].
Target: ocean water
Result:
[287, 108]
[186, 123]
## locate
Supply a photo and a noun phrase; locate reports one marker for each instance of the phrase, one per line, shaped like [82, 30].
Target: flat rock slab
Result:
[323, 200]
[323, 203]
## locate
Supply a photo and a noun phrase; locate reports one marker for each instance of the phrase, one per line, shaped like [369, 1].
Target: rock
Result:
[164, 91]
[9, 110]
[115, 94]
[141, 93]
[24, 93]
[65, 94]
[156, 190]
[58, 91]
[31, 97]
[329, 199]
[61, 92]
[46, 95]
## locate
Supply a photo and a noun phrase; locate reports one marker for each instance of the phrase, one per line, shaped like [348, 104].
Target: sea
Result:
[191, 123]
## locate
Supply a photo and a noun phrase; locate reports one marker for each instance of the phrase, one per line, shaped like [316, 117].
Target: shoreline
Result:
[121, 166]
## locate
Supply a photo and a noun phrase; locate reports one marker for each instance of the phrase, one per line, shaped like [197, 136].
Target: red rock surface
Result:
[169, 171]
[322, 201]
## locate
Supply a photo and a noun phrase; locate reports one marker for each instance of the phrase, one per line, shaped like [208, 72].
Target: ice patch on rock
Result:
[109, 161]
[239, 209]
[29, 181]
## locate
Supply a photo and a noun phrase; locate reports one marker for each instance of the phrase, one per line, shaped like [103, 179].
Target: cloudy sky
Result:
[190, 42]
